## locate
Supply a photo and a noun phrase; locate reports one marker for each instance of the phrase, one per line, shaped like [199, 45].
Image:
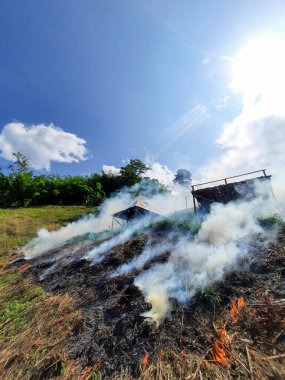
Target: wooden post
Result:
[194, 203]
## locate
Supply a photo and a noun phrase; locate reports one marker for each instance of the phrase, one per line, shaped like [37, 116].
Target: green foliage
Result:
[16, 310]
[183, 177]
[148, 188]
[184, 226]
[208, 297]
[131, 173]
[272, 221]
[21, 188]
[163, 225]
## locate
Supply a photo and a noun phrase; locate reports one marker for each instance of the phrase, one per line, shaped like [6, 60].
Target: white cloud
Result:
[109, 169]
[160, 172]
[248, 146]
[255, 139]
[157, 171]
[206, 60]
[42, 144]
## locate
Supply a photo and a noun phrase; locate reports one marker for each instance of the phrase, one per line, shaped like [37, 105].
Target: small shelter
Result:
[227, 191]
[138, 210]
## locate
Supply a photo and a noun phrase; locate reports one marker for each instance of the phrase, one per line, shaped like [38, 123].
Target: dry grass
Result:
[246, 359]
[34, 325]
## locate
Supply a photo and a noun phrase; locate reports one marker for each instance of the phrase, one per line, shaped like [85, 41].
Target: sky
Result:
[178, 84]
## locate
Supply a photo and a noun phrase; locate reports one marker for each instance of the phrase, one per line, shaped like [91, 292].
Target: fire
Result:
[223, 335]
[145, 359]
[236, 306]
[219, 354]
[86, 373]
[234, 311]
[240, 302]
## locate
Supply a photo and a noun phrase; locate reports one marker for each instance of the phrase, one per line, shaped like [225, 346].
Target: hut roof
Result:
[137, 210]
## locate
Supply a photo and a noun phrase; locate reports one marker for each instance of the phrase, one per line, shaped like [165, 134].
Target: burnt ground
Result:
[113, 337]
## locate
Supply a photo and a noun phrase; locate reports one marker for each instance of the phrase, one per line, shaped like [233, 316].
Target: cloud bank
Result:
[42, 144]
[160, 172]
[110, 169]
[255, 139]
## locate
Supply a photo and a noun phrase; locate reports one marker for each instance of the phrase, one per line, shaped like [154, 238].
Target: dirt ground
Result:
[113, 338]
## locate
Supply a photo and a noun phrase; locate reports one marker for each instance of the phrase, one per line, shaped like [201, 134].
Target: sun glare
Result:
[259, 71]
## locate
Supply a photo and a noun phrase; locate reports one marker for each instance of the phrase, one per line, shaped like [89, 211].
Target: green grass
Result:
[18, 226]
[208, 297]
[183, 226]
[273, 221]
[26, 309]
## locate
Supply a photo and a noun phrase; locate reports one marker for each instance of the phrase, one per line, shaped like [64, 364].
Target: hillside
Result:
[233, 328]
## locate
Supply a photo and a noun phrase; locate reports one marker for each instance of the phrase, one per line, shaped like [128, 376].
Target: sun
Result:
[259, 72]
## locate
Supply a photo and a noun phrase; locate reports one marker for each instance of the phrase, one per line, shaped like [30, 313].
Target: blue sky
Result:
[131, 78]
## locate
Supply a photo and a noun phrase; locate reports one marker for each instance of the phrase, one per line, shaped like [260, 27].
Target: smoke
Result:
[97, 254]
[46, 240]
[149, 253]
[160, 203]
[227, 234]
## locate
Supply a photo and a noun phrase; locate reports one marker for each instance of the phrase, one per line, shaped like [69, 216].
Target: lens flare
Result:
[258, 73]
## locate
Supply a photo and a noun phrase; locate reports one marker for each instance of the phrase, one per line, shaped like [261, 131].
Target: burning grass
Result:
[79, 322]
[225, 331]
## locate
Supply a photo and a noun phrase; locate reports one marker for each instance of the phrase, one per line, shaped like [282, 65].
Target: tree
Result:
[183, 177]
[131, 173]
[21, 181]
[22, 162]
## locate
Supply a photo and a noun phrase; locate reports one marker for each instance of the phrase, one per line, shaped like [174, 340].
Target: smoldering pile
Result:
[138, 287]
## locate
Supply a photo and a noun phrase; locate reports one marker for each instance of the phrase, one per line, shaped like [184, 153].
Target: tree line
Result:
[20, 187]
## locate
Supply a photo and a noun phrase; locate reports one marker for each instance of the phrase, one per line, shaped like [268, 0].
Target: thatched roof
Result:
[137, 210]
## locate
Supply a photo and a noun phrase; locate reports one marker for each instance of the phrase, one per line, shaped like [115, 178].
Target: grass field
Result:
[32, 341]
[18, 226]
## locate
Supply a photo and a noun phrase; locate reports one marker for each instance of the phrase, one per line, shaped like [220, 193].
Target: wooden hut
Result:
[138, 210]
[204, 197]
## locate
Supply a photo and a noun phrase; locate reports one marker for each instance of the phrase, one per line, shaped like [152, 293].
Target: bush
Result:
[184, 226]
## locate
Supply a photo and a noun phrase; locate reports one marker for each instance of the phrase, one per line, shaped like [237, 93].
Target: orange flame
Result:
[145, 359]
[218, 353]
[234, 311]
[236, 305]
[86, 373]
[223, 335]
[240, 302]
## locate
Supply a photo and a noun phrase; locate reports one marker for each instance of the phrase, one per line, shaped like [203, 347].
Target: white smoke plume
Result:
[225, 236]
[97, 254]
[89, 224]
[149, 253]
[162, 204]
